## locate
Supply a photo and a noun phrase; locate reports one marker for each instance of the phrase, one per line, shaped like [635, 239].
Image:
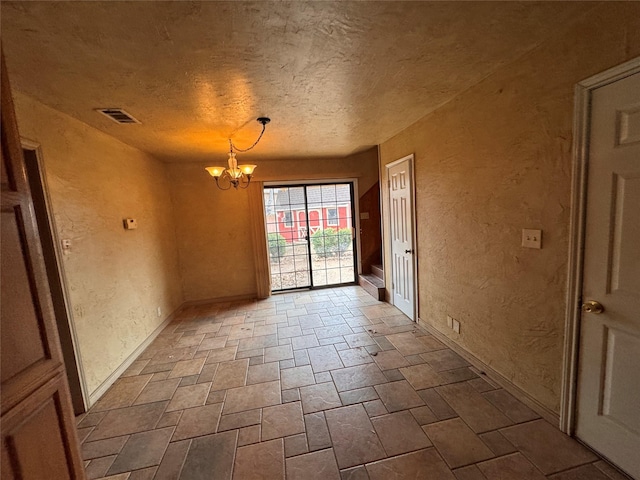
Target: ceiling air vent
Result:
[118, 115]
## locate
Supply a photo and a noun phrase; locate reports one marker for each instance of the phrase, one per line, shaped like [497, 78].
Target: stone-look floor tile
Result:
[230, 375]
[188, 397]
[93, 419]
[216, 397]
[282, 421]
[297, 377]
[457, 443]
[263, 330]
[510, 467]
[98, 467]
[169, 419]
[252, 343]
[355, 356]
[323, 377]
[324, 358]
[320, 465]
[421, 464]
[497, 443]
[240, 331]
[553, 451]
[275, 354]
[212, 343]
[510, 406]
[457, 375]
[319, 397]
[585, 472]
[354, 439]
[288, 332]
[305, 341]
[358, 395]
[221, 355]
[103, 448]
[355, 473]
[317, 431]
[158, 391]
[333, 331]
[251, 397]
[207, 373]
[359, 340]
[469, 473]
[398, 396]
[295, 445]
[444, 360]
[351, 378]
[142, 450]
[239, 420]
[256, 352]
[213, 453]
[190, 380]
[122, 394]
[400, 433]
[248, 435]
[301, 357]
[289, 363]
[291, 395]
[393, 375]
[184, 368]
[256, 361]
[83, 433]
[120, 476]
[375, 408]
[128, 420]
[473, 408]
[423, 415]
[164, 368]
[432, 343]
[415, 359]
[198, 421]
[144, 474]
[267, 372]
[391, 359]
[440, 408]
[407, 344]
[421, 376]
[260, 461]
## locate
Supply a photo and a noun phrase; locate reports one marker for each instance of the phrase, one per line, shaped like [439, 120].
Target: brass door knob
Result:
[592, 307]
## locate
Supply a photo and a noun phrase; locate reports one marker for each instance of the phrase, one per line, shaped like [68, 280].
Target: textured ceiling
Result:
[335, 77]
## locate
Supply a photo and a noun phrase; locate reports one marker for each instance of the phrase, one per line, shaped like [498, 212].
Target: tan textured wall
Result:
[495, 160]
[116, 279]
[213, 229]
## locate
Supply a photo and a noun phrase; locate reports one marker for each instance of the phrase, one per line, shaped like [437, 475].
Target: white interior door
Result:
[402, 249]
[608, 400]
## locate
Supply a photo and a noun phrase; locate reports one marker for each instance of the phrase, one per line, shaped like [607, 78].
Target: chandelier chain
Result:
[241, 150]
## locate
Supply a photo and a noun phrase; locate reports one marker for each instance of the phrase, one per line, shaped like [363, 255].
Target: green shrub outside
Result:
[277, 245]
[330, 242]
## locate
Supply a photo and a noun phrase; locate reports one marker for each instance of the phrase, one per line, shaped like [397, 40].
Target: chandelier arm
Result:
[246, 184]
[233, 147]
[218, 184]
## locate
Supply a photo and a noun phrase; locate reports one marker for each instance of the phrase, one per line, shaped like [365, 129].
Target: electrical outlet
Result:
[449, 321]
[456, 325]
[159, 311]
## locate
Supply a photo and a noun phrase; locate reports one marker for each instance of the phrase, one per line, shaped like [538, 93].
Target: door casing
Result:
[410, 159]
[581, 118]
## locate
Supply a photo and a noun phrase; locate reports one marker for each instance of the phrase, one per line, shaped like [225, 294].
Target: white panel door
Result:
[608, 401]
[402, 251]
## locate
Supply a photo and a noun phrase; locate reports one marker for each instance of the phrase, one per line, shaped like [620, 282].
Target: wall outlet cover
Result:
[130, 223]
[531, 238]
[456, 326]
[449, 321]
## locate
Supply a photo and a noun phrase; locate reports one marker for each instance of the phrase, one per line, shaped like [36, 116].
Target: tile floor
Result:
[328, 384]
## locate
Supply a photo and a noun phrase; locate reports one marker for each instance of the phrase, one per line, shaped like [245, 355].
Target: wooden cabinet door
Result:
[39, 438]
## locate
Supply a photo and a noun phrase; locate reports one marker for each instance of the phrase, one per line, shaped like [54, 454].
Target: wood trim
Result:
[231, 298]
[582, 111]
[259, 237]
[110, 380]
[497, 377]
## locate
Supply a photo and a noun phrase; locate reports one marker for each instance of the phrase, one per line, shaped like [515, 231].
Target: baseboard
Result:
[233, 298]
[549, 415]
[110, 380]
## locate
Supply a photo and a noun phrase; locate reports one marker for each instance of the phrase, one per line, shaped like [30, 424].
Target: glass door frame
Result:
[355, 224]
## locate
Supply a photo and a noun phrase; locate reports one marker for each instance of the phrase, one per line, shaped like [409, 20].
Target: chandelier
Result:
[236, 175]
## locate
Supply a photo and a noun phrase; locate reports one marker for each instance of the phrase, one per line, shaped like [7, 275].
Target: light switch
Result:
[531, 238]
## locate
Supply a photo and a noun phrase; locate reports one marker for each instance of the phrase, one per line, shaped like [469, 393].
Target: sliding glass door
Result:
[311, 236]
